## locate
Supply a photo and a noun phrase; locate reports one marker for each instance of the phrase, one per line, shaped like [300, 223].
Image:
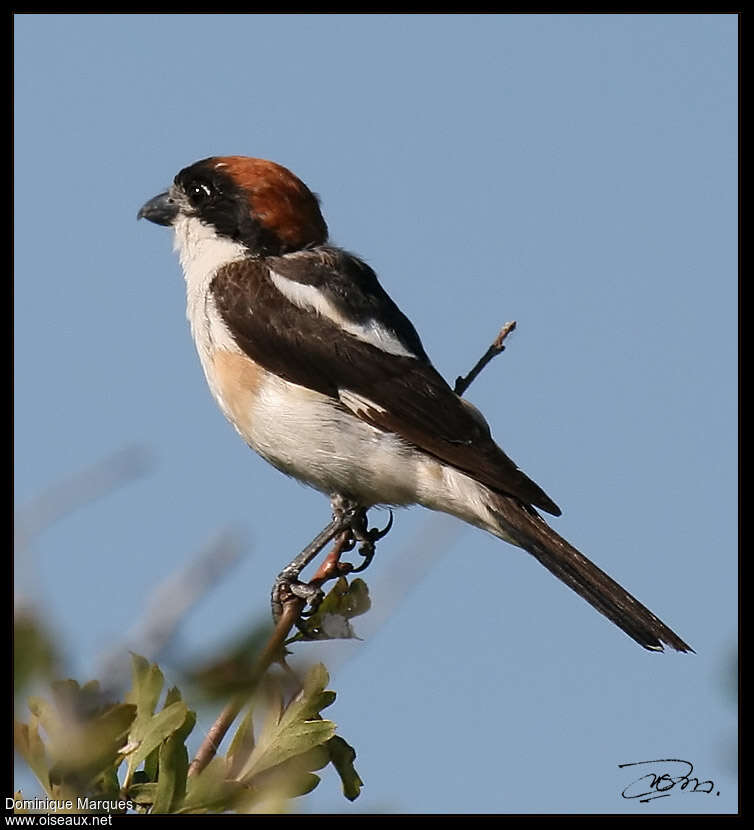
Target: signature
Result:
[663, 777]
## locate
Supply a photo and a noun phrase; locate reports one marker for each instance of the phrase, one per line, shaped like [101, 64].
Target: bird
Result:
[321, 373]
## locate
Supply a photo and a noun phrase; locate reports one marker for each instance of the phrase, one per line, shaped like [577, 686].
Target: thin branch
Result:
[290, 611]
[272, 652]
[497, 346]
[80, 489]
[172, 599]
[332, 567]
[170, 603]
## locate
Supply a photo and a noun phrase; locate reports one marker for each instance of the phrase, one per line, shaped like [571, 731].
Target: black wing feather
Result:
[412, 399]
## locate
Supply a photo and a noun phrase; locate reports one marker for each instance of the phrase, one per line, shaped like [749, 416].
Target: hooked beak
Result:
[161, 210]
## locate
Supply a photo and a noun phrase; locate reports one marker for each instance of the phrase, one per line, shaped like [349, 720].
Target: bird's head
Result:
[254, 202]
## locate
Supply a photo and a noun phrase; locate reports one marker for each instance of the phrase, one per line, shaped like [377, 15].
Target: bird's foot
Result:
[349, 524]
[288, 587]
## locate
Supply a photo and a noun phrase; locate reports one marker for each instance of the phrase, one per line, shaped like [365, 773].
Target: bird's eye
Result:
[199, 192]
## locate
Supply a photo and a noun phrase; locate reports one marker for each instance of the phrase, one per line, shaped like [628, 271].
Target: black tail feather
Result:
[531, 532]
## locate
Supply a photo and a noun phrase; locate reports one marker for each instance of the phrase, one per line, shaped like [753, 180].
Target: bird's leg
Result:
[288, 585]
[359, 530]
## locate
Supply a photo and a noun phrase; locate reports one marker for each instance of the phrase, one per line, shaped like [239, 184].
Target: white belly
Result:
[312, 437]
[320, 442]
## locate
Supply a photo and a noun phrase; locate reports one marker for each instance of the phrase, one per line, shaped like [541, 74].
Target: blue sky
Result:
[575, 173]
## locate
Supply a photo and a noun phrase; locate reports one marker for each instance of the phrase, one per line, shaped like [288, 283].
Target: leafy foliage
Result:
[77, 742]
[34, 651]
[331, 621]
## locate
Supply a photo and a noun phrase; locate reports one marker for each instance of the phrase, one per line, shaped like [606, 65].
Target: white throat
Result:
[202, 252]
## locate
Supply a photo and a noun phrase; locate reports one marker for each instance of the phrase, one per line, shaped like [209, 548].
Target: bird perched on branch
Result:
[321, 373]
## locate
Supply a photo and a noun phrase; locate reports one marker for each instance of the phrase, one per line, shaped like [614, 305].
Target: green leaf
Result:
[297, 730]
[146, 686]
[34, 651]
[150, 730]
[242, 743]
[342, 603]
[171, 786]
[173, 695]
[151, 734]
[151, 767]
[29, 745]
[87, 738]
[270, 790]
[174, 764]
[142, 793]
[79, 703]
[84, 737]
[342, 756]
[210, 790]
[310, 701]
[317, 757]
[273, 790]
[108, 786]
[302, 784]
[82, 751]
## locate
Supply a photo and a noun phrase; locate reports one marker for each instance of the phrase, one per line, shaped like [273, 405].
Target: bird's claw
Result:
[362, 533]
[375, 535]
[350, 521]
[288, 587]
[368, 538]
[366, 549]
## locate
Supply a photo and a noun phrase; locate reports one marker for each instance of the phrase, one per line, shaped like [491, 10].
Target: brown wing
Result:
[410, 397]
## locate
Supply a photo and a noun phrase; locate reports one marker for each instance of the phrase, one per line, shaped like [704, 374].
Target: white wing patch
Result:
[308, 297]
[358, 404]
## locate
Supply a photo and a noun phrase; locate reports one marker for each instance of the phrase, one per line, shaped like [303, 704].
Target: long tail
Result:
[531, 532]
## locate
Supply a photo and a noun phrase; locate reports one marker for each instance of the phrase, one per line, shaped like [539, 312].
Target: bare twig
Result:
[272, 652]
[171, 602]
[78, 490]
[172, 599]
[497, 346]
[290, 608]
[332, 567]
